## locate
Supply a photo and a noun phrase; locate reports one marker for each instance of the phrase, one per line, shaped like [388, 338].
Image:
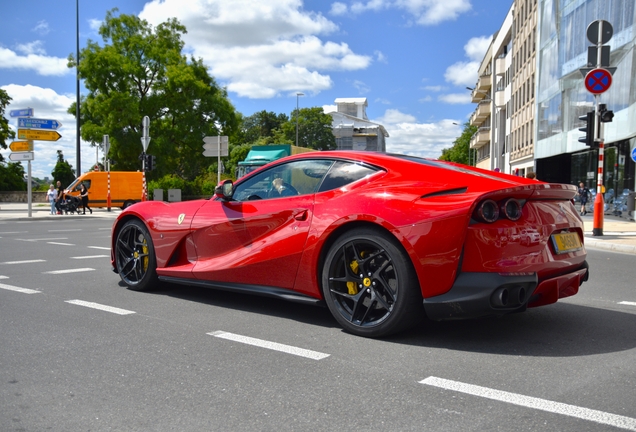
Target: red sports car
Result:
[382, 239]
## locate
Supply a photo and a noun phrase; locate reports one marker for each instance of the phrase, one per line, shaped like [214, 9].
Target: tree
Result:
[262, 124]
[314, 129]
[460, 151]
[11, 174]
[63, 171]
[140, 71]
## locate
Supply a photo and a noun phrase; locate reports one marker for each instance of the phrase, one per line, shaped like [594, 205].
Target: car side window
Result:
[285, 180]
[342, 173]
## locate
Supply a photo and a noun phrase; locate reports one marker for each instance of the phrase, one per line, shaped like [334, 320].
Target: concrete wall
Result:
[21, 197]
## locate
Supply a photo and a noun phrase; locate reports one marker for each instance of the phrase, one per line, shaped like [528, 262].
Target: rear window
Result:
[342, 173]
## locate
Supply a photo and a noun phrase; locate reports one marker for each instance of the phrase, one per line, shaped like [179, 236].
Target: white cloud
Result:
[34, 47]
[41, 64]
[464, 73]
[48, 104]
[456, 98]
[407, 136]
[338, 8]
[260, 49]
[95, 24]
[42, 27]
[424, 12]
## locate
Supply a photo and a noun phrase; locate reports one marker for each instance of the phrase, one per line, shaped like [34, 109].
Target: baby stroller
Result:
[70, 205]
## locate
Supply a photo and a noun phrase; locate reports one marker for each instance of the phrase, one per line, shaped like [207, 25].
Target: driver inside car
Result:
[281, 188]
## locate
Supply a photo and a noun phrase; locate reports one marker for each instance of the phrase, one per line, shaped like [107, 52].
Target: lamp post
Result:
[297, 94]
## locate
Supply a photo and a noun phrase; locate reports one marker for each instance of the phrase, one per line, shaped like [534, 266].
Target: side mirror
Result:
[225, 190]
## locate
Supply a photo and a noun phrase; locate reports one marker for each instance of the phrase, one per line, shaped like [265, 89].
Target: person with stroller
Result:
[84, 198]
[60, 198]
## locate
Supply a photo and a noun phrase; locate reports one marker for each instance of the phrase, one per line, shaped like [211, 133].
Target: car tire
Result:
[135, 256]
[127, 204]
[369, 284]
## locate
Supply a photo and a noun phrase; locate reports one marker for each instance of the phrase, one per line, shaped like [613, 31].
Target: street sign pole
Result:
[106, 142]
[218, 158]
[29, 198]
[603, 35]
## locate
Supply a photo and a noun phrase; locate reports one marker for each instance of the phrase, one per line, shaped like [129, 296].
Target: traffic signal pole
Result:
[599, 201]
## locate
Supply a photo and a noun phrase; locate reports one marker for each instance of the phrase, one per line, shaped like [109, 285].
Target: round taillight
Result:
[487, 211]
[512, 209]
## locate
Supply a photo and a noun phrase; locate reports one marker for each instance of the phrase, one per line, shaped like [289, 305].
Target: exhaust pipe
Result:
[500, 297]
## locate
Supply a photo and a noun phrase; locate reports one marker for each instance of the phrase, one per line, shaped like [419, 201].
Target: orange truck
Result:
[126, 188]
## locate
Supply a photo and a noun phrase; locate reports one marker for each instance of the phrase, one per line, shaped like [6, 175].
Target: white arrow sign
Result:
[22, 156]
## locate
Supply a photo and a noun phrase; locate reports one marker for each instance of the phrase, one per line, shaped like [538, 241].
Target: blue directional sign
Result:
[634, 155]
[35, 123]
[26, 112]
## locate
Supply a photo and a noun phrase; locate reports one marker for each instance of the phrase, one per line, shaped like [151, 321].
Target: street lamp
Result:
[297, 94]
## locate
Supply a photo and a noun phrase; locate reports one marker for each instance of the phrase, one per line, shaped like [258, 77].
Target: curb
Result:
[613, 247]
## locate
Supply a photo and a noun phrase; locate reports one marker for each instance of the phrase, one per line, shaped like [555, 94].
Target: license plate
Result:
[566, 242]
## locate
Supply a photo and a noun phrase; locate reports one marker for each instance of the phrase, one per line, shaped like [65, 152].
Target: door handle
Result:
[302, 216]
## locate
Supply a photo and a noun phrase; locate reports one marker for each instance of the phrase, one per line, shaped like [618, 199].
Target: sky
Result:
[411, 59]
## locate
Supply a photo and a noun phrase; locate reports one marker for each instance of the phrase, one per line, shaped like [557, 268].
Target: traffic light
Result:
[606, 115]
[588, 129]
[150, 162]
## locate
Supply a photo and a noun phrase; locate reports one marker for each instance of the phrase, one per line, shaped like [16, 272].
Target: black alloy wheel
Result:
[135, 256]
[369, 284]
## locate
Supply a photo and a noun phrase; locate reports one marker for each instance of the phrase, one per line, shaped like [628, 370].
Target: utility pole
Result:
[297, 94]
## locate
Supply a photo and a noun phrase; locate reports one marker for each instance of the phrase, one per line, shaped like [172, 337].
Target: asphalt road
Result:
[79, 352]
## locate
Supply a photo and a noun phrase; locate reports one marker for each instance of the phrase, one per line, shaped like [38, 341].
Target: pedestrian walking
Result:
[583, 193]
[84, 198]
[51, 195]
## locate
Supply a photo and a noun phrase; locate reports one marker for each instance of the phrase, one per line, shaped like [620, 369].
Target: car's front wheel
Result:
[135, 256]
[369, 284]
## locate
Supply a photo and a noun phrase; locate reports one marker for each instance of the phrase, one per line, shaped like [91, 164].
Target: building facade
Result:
[352, 128]
[531, 94]
[562, 97]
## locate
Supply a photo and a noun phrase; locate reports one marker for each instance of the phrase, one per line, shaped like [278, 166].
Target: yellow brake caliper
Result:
[351, 286]
[144, 249]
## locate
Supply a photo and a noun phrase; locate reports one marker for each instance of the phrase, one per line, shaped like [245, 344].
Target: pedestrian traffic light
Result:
[588, 129]
[605, 114]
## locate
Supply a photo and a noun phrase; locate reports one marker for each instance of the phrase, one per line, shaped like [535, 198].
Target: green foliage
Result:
[314, 129]
[12, 177]
[11, 174]
[140, 71]
[237, 154]
[460, 152]
[63, 171]
[261, 125]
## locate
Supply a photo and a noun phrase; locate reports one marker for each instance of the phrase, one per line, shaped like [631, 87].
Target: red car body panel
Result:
[427, 207]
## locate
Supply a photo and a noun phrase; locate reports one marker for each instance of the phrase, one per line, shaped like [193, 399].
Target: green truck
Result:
[262, 155]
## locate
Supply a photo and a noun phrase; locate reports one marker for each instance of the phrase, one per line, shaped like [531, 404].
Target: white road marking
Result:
[66, 230]
[13, 232]
[98, 247]
[91, 256]
[314, 355]
[61, 244]
[78, 270]
[102, 307]
[4, 277]
[43, 239]
[628, 303]
[18, 289]
[23, 262]
[535, 403]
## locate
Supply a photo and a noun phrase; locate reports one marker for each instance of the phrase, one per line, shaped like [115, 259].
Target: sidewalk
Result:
[20, 211]
[619, 234]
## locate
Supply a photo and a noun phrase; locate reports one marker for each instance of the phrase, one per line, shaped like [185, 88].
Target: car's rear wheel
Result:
[135, 256]
[369, 284]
